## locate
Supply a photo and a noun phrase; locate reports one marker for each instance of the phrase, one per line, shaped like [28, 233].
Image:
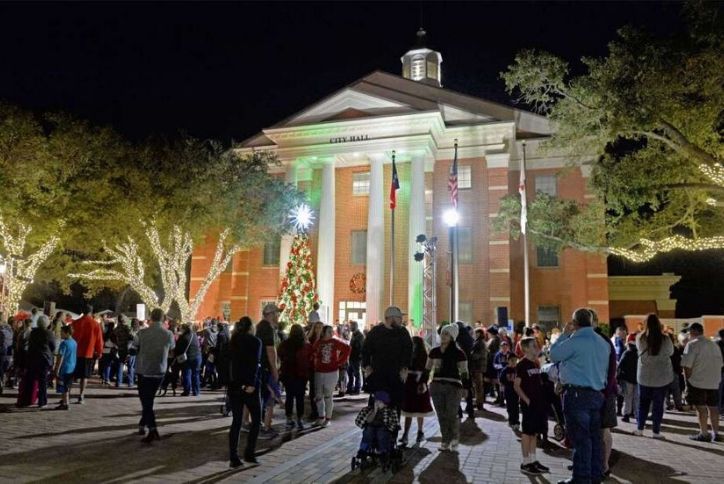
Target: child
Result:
[529, 387]
[512, 403]
[379, 423]
[626, 375]
[65, 365]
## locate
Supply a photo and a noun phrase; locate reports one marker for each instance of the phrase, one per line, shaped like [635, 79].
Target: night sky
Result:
[226, 70]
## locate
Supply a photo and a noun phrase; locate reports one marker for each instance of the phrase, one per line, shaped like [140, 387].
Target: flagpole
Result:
[526, 270]
[392, 243]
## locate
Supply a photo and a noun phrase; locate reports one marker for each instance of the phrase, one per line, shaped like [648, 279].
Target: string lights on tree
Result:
[20, 268]
[126, 265]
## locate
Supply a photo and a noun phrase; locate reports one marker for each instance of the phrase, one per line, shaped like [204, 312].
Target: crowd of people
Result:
[580, 377]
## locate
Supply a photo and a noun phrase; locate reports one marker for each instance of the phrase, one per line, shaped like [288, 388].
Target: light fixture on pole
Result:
[451, 218]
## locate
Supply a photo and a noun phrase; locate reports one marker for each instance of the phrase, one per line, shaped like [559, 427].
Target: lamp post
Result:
[451, 218]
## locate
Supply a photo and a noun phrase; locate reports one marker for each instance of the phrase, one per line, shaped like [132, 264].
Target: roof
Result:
[381, 94]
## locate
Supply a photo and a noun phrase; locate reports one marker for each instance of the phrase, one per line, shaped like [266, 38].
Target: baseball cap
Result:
[393, 312]
[270, 308]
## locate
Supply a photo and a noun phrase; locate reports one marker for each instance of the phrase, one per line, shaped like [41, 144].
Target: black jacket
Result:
[356, 343]
[627, 365]
[387, 350]
[464, 340]
[41, 346]
[478, 358]
[194, 349]
[245, 361]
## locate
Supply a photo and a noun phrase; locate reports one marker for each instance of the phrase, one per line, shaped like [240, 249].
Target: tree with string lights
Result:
[647, 119]
[298, 291]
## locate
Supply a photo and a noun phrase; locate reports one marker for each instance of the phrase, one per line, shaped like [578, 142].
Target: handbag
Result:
[182, 357]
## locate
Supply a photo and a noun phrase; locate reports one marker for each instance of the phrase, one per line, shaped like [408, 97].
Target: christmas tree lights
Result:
[298, 291]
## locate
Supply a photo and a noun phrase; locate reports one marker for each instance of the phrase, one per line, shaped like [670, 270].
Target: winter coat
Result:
[627, 365]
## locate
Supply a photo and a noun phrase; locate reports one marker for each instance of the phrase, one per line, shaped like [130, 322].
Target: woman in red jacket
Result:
[330, 354]
[295, 354]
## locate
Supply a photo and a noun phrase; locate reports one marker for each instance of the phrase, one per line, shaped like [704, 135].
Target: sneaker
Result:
[319, 422]
[444, 446]
[403, 441]
[717, 438]
[420, 438]
[454, 444]
[290, 424]
[326, 422]
[81, 400]
[268, 434]
[658, 436]
[300, 425]
[530, 469]
[700, 437]
[245, 428]
[62, 406]
[236, 462]
[625, 418]
[540, 467]
[638, 433]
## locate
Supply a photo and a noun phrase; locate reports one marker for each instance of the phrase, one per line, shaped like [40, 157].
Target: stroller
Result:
[549, 372]
[380, 424]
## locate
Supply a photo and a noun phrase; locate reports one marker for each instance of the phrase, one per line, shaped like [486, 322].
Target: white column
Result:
[416, 227]
[326, 243]
[375, 242]
[285, 246]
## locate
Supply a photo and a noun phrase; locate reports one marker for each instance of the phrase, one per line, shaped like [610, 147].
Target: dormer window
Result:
[418, 69]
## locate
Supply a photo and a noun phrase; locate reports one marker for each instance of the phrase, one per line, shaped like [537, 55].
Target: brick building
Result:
[339, 152]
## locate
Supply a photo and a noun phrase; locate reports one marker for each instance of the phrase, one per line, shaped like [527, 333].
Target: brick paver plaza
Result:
[96, 442]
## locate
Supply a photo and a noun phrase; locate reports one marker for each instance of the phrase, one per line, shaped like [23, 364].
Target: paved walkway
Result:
[96, 442]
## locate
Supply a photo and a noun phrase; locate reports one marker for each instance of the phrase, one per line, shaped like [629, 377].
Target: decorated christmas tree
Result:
[298, 291]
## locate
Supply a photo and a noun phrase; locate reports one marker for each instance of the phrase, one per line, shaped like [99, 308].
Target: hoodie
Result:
[627, 365]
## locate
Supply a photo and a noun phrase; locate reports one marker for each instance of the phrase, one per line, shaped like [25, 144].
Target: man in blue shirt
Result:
[583, 356]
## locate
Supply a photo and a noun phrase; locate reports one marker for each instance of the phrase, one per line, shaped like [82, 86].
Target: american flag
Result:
[395, 185]
[452, 183]
[522, 192]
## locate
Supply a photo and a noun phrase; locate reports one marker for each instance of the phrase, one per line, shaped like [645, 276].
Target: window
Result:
[465, 176]
[418, 68]
[359, 247]
[271, 253]
[465, 244]
[361, 183]
[546, 257]
[549, 316]
[432, 69]
[465, 312]
[547, 184]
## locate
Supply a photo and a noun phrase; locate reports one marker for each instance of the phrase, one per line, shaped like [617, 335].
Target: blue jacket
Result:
[583, 357]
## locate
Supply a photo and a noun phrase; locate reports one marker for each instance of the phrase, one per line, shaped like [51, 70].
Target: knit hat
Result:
[451, 329]
[383, 396]
[631, 338]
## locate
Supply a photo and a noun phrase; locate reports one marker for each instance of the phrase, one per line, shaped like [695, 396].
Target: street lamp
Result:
[451, 218]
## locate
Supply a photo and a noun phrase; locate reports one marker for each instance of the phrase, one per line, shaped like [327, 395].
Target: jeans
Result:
[354, 377]
[721, 394]
[192, 381]
[674, 389]
[512, 405]
[324, 388]
[104, 366]
[376, 438]
[295, 394]
[131, 364]
[147, 388]
[647, 396]
[582, 411]
[446, 398]
[252, 401]
[630, 397]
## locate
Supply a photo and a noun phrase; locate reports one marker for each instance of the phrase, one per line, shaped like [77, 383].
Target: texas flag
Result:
[395, 185]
